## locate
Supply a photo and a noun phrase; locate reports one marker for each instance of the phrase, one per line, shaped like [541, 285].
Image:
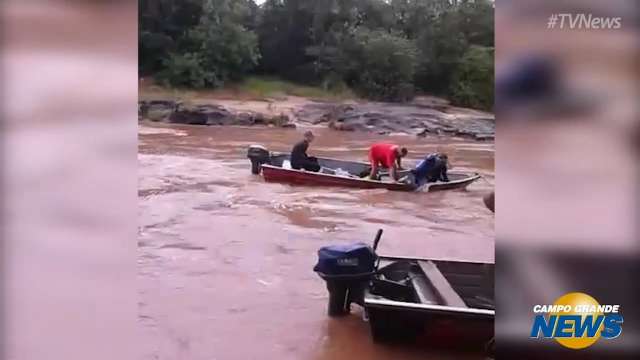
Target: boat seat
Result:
[440, 284]
[423, 290]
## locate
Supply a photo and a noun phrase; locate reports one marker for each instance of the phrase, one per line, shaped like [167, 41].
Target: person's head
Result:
[402, 152]
[308, 136]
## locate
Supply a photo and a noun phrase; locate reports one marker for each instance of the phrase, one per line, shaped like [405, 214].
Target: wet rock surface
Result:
[421, 117]
[177, 112]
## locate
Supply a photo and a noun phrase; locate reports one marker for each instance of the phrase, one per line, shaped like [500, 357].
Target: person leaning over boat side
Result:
[386, 155]
[299, 157]
[431, 169]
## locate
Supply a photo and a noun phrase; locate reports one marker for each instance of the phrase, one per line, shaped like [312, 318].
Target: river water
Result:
[225, 260]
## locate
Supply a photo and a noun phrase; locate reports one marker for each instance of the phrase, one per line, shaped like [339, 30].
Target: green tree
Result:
[446, 36]
[284, 33]
[413, 16]
[220, 48]
[162, 26]
[382, 48]
[226, 45]
[473, 81]
[378, 64]
[186, 70]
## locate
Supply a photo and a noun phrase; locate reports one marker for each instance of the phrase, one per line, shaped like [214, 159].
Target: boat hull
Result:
[461, 183]
[301, 177]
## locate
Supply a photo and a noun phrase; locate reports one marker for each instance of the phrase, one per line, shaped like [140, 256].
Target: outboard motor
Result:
[347, 270]
[258, 155]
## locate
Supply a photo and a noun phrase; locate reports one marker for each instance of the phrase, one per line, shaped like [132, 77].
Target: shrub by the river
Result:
[377, 64]
[218, 49]
[186, 70]
[473, 83]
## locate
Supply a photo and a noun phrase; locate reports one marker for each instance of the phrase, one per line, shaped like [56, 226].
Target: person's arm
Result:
[393, 172]
[391, 160]
[399, 161]
[443, 174]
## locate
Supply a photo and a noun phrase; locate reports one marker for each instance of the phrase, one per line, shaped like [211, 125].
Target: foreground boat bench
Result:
[441, 286]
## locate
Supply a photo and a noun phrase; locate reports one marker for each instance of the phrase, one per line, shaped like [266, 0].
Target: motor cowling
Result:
[347, 270]
[341, 260]
[258, 155]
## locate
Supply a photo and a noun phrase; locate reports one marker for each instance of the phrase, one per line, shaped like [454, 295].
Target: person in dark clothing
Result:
[433, 168]
[299, 157]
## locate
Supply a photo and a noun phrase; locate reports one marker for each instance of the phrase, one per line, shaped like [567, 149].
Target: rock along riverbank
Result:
[421, 117]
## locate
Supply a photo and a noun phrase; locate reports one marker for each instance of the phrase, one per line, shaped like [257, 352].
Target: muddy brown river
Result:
[225, 260]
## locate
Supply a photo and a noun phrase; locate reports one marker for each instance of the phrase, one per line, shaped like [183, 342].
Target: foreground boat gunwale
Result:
[377, 301]
[371, 300]
[408, 258]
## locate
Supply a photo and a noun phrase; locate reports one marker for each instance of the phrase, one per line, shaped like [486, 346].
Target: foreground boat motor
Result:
[258, 155]
[347, 270]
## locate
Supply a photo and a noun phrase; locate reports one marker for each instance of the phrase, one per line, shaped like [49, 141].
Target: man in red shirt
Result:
[386, 155]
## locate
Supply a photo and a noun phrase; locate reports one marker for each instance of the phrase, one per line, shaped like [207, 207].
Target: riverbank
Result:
[425, 115]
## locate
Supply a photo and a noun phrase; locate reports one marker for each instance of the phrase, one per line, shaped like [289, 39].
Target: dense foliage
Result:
[383, 49]
[474, 78]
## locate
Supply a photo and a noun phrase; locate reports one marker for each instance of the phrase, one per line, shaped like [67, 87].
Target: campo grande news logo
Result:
[576, 320]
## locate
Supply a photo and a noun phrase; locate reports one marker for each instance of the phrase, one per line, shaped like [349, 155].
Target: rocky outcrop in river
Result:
[206, 114]
[421, 117]
[424, 117]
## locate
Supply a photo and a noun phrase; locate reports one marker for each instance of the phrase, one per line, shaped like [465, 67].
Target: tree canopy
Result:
[383, 49]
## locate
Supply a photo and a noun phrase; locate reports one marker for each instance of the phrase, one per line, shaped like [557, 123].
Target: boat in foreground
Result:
[275, 167]
[411, 296]
[405, 297]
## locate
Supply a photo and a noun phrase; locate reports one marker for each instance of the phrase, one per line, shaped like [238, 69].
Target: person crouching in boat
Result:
[386, 155]
[431, 169]
[299, 157]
